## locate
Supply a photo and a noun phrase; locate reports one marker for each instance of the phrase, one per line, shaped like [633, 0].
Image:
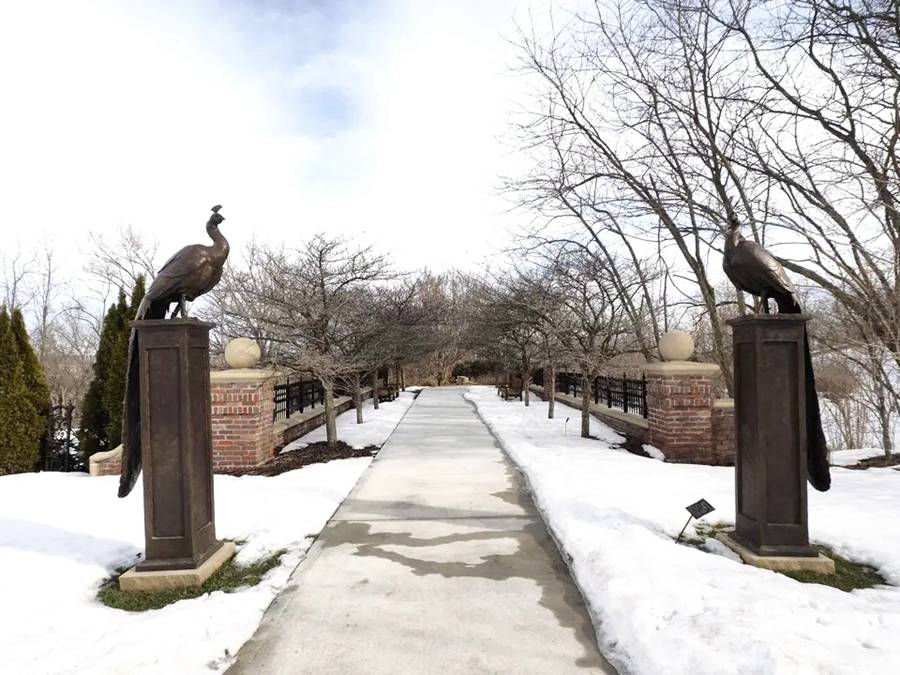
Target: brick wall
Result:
[110, 465]
[724, 432]
[243, 432]
[686, 422]
[679, 408]
[242, 408]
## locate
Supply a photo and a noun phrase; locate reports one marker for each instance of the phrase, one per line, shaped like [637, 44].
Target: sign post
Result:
[697, 510]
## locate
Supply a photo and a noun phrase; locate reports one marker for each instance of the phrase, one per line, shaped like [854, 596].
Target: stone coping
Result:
[600, 409]
[723, 403]
[99, 458]
[819, 564]
[666, 368]
[749, 318]
[161, 580]
[242, 375]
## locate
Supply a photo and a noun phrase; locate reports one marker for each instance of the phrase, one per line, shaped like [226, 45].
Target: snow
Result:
[376, 427]
[661, 607]
[61, 535]
[851, 457]
[654, 452]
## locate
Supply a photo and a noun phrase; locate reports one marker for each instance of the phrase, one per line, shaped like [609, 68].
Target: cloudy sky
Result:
[374, 118]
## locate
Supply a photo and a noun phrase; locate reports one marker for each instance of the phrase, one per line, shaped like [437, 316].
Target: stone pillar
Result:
[770, 473]
[179, 522]
[243, 433]
[770, 476]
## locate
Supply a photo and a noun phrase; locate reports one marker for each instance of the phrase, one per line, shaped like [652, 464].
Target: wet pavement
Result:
[437, 562]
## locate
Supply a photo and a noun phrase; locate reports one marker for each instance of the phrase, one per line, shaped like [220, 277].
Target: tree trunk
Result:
[526, 389]
[585, 406]
[357, 398]
[330, 421]
[550, 388]
[402, 378]
[375, 388]
[884, 418]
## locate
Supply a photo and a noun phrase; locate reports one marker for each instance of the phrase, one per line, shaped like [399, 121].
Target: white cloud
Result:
[381, 121]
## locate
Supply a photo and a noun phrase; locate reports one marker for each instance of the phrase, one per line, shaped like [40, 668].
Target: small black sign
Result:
[700, 509]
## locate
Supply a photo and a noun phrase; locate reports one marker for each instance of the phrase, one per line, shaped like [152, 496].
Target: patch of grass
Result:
[227, 578]
[848, 575]
[703, 532]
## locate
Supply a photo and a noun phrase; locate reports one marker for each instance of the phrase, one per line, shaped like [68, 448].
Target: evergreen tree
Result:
[114, 383]
[20, 422]
[137, 294]
[38, 392]
[101, 411]
[31, 366]
[92, 436]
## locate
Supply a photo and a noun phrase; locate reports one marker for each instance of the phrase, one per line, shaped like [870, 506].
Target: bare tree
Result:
[631, 138]
[827, 75]
[305, 300]
[441, 323]
[45, 297]
[654, 122]
[593, 330]
[17, 270]
[121, 260]
[524, 313]
[227, 304]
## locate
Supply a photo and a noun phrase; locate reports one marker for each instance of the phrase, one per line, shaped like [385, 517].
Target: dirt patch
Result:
[634, 445]
[314, 453]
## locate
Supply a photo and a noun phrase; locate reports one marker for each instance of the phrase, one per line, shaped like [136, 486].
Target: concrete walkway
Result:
[437, 562]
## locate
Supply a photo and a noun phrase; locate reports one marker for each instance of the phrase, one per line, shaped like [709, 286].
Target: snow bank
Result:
[660, 607]
[376, 427]
[61, 535]
[851, 457]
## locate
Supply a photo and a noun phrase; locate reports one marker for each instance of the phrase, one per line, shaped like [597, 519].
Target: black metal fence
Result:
[621, 393]
[59, 451]
[292, 397]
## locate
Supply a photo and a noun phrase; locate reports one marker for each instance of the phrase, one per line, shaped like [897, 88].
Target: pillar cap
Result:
[666, 368]
[676, 345]
[764, 318]
[242, 352]
[238, 375]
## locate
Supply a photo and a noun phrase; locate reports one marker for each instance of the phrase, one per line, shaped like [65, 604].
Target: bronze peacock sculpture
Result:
[753, 269]
[188, 274]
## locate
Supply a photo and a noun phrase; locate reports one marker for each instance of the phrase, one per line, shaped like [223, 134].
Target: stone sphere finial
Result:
[242, 353]
[676, 345]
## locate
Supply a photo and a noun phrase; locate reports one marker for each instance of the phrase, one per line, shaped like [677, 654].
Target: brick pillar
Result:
[724, 431]
[242, 425]
[680, 410]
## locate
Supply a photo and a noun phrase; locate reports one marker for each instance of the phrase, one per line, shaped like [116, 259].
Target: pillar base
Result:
[818, 563]
[161, 580]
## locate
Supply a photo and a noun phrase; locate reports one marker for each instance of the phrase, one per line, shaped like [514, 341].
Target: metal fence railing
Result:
[621, 393]
[59, 447]
[292, 397]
